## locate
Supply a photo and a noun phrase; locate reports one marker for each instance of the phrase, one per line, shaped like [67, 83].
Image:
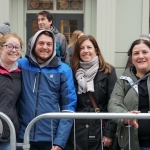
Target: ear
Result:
[50, 22]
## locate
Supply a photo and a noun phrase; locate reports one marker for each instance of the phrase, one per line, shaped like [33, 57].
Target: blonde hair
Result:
[74, 37]
[5, 37]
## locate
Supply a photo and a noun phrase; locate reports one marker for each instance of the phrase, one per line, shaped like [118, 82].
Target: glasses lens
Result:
[17, 48]
[9, 47]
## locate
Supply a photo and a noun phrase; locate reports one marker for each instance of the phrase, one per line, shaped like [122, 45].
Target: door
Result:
[65, 24]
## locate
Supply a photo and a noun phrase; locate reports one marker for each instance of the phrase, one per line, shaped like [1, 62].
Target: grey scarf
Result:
[86, 74]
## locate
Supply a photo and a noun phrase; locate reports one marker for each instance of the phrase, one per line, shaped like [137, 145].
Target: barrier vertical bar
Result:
[12, 131]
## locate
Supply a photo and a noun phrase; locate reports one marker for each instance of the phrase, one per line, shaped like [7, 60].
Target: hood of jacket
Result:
[130, 72]
[33, 42]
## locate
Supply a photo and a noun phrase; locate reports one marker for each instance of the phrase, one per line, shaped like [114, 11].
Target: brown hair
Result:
[104, 66]
[47, 14]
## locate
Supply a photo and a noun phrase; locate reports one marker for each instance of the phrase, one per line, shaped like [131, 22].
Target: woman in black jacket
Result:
[10, 84]
[94, 75]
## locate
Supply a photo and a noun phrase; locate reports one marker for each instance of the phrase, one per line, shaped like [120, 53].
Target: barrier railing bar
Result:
[12, 131]
[26, 144]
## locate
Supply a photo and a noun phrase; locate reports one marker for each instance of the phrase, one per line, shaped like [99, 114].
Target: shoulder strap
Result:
[93, 102]
[137, 82]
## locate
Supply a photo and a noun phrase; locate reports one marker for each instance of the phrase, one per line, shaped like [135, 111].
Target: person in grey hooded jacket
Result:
[45, 21]
[47, 86]
[128, 97]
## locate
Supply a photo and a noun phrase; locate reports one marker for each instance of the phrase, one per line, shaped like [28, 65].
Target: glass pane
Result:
[67, 27]
[40, 4]
[69, 4]
[35, 27]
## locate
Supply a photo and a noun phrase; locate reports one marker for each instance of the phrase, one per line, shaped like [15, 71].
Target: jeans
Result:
[4, 146]
[38, 146]
[144, 148]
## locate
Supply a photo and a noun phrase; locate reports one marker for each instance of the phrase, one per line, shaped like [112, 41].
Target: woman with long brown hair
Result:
[95, 76]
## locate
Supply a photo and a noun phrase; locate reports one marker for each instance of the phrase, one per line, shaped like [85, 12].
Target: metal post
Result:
[12, 131]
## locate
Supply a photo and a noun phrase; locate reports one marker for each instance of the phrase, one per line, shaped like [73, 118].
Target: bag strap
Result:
[97, 110]
[137, 82]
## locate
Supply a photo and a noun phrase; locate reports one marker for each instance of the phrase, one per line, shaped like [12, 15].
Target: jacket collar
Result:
[54, 62]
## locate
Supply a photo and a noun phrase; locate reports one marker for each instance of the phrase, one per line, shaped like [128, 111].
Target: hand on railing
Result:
[107, 141]
[132, 121]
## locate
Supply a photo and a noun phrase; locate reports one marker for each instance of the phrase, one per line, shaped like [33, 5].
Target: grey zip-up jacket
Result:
[121, 103]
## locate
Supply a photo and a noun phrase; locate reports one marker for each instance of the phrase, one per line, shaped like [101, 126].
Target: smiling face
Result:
[44, 23]
[43, 48]
[87, 51]
[10, 56]
[141, 58]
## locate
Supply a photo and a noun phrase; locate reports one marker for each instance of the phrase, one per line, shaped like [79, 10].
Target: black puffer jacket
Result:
[10, 88]
[88, 132]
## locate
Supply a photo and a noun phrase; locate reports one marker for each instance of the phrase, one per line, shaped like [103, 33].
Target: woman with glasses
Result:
[10, 84]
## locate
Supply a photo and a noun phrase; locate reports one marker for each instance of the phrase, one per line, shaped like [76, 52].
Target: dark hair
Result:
[75, 65]
[46, 33]
[137, 42]
[47, 14]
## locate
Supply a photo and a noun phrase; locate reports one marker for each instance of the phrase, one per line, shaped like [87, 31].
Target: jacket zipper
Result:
[37, 101]
[34, 83]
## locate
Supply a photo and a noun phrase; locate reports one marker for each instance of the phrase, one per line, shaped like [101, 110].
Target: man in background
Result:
[45, 21]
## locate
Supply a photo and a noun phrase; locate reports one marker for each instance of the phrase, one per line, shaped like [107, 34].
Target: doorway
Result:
[65, 24]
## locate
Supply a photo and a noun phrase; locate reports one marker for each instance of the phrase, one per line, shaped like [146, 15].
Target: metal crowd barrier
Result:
[12, 131]
[26, 144]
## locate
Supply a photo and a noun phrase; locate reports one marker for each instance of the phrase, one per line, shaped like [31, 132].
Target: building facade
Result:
[114, 23]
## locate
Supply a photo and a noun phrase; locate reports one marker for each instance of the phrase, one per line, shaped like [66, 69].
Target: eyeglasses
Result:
[10, 47]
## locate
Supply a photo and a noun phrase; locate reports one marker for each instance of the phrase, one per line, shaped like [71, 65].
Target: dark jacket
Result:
[10, 83]
[86, 129]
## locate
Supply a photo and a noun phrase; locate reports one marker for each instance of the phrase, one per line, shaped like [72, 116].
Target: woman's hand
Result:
[56, 148]
[107, 141]
[132, 121]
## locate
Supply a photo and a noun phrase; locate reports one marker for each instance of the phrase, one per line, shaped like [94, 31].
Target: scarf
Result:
[86, 74]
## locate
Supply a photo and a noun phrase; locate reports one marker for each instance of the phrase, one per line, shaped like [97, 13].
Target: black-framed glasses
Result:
[10, 47]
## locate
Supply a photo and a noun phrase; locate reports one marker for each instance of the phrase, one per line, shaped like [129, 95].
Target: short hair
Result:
[47, 14]
[46, 33]
[75, 65]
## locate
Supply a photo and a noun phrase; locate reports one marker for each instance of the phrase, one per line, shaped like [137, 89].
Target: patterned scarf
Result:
[86, 74]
